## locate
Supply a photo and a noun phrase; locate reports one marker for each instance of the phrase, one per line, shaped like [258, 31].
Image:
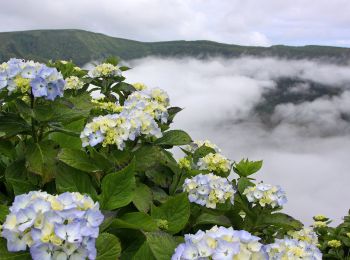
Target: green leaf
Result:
[246, 167]
[61, 112]
[135, 220]
[6, 255]
[174, 137]
[108, 247]
[101, 160]
[73, 180]
[280, 220]
[207, 218]
[4, 211]
[172, 111]
[162, 245]
[243, 183]
[11, 124]
[78, 159]
[17, 176]
[201, 152]
[144, 253]
[118, 188]
[160, 175]
[42, 159]
[176, 210]
[149, 156]
[143, 198]
[7, 148]
[68, 141]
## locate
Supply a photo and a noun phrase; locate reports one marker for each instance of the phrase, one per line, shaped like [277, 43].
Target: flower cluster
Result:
[266, 194]
[199, 143]
[153, 102]
[104, 70]
[334, 243]
[208, 190]
[139, 86]
[73, 82]
[214, 162]
[138, 116]
[306, 234]
[184, 163]
[118, 128]
[220, 243]
[64, 226]
[108, 106]
[292, 249]
[18, 75]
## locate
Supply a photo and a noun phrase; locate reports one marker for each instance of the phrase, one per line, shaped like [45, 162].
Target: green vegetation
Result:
[83, 46]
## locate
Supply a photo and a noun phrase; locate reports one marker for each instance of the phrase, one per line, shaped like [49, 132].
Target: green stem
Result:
[32, 103]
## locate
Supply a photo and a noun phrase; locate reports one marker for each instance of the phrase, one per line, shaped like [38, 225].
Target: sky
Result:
[246, 22]
[307, 150]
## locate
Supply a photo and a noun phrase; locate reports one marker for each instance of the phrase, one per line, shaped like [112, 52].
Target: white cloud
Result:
[306, 153]
[247, 22]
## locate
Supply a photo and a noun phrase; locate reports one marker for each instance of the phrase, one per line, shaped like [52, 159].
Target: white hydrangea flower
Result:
[266, 194]
[73, 82]
[104, 70]
[214, 162]
[292, 249]
[208, 190]
[220, 243]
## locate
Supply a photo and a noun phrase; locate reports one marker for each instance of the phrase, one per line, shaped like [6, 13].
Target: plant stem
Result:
[34, 134]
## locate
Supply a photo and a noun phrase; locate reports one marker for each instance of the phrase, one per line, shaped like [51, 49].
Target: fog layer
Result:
[305, 146]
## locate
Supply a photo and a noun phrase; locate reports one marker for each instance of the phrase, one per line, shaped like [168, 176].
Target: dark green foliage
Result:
[83, 46]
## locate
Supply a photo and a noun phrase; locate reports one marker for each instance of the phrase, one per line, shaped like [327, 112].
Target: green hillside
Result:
[83, 46]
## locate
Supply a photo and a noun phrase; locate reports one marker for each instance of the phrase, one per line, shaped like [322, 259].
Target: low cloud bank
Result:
[307, 146]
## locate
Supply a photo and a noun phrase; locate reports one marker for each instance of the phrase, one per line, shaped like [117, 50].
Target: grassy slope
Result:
[82, 46]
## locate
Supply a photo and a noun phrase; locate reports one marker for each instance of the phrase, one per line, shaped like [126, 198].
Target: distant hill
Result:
[83, 46]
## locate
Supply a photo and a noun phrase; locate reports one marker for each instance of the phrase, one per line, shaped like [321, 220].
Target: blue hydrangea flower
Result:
[208, 190]
[29, 76]
[53, 227]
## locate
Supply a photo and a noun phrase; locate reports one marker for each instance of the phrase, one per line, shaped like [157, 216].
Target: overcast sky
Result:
[247, 22]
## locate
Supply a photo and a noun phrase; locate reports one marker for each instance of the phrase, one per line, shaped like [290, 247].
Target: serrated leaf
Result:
[173, 138]
[118, 188]
[69, 141]
[108, 247]
[280, 220]
[201, 152]
[16, 176]
[41, 158]
[73, 180]
[176, 210]
[207, 218]
[245, 167]
[78, 159]
[144, 253]
[11, 124]
[135, 220]
[243, 183]
[172, 111]
[162, 245]
[143, 198]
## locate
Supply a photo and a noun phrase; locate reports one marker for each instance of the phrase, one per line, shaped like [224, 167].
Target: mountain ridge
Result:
[83, 46]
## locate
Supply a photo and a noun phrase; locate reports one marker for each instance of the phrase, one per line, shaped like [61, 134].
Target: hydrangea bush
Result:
[93, 176]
